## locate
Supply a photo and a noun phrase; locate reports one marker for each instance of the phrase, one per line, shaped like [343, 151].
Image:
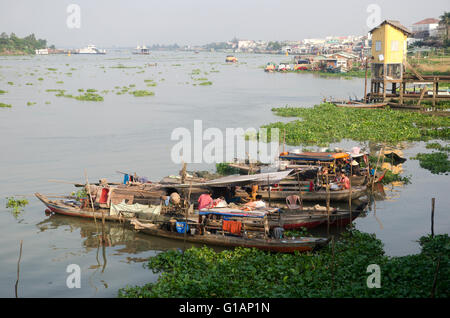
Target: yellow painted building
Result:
[389, 49]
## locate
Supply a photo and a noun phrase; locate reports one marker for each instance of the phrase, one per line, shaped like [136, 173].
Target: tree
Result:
[445, 22]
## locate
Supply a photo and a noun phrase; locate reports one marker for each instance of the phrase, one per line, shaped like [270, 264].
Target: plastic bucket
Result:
[181, 227]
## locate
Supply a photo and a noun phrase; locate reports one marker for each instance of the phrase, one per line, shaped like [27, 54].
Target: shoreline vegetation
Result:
[337, 270]
[13, 45]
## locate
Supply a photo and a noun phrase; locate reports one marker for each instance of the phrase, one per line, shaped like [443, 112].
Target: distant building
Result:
[425, 28]
[41, 52]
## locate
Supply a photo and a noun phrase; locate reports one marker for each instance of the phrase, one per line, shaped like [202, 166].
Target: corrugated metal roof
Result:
[395, 24]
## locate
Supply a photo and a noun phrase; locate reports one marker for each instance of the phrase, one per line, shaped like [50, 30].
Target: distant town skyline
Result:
[108, 23]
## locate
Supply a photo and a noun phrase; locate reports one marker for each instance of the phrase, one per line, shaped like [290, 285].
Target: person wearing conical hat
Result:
[355, 168]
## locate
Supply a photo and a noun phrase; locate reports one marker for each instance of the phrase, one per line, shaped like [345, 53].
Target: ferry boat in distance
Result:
[231, 59]
[141, 50]
[90, 49]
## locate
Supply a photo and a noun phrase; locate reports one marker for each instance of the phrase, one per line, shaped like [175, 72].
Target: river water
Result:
[58, 138]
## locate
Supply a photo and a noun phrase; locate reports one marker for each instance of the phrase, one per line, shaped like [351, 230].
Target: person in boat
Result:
[325, 175]
[259, 203]
[345, 181]
[356, 171]
[205, 200]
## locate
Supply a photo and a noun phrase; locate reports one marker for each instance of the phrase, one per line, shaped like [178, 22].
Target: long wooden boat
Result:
[321, 195]
[301, 244]
[314, 219]
[60, 207]
[66, 208]
[361, 105]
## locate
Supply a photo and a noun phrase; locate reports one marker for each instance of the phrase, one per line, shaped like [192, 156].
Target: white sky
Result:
[127, 23]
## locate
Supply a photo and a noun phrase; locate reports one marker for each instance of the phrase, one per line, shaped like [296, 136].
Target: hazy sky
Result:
[131, 22]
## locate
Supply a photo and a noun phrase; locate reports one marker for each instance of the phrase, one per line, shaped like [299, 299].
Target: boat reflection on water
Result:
[121, 237]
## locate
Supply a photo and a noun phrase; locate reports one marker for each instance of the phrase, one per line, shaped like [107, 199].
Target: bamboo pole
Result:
[333, 270]
[328, 206]
[433, 288]
[268, 188]
[365, 84]
[90, 197]
[432, 217]
[376, 167]
[350, 204]
[300, 191]
[18, 268]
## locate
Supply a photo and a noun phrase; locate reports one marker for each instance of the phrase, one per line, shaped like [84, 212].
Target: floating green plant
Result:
[3, 92]
[122, 66]
[205, 83]
[59, 82]
[435, 162]
[40, 79]
[151, 84]
[3, 105]
[10, 83]
[437, 146]
[29, 84]
[92, 97]
[31, 103]
[16, 205]
[52, 69]
[337, 270]
[141, 93]
[324, 124]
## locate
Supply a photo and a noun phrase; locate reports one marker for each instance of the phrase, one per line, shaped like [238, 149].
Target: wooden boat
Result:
[302, 244]
[311, 218]
[358, 180]
[321, 195]
[245, 168]
[354, 104]
[66, 207]
[61, 207]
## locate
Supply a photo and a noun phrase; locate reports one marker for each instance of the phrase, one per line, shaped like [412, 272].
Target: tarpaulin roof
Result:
[239, 180]
[315, 156]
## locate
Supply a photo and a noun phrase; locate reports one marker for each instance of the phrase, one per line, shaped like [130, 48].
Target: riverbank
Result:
[339, 270]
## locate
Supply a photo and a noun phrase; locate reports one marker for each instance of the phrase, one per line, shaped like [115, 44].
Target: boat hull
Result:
[341, 195]
[272, 245]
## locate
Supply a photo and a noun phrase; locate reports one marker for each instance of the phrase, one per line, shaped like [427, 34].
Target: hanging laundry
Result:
[233, 227]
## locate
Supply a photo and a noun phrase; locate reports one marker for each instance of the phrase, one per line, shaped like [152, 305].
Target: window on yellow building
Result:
[394, 46]
[378, 46]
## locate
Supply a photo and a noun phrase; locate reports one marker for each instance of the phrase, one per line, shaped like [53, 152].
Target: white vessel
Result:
[141, 50]
[91, 49]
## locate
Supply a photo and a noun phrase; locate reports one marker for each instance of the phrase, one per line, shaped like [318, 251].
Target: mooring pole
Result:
[432, 217]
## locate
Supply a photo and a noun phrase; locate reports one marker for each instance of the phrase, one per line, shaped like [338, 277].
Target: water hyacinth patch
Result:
[3, 105]
[436, 162]
[142, 93]
[324, 124]
[243, 272]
